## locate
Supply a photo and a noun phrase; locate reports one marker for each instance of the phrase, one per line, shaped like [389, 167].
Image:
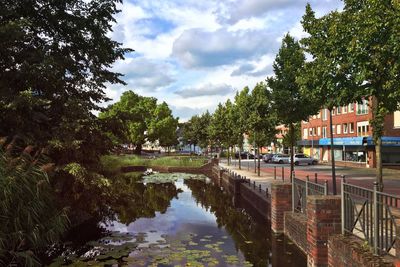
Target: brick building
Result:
[352, 134]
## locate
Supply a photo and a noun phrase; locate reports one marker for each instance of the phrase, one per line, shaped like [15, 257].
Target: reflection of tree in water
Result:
[137, 200]
[250, 237]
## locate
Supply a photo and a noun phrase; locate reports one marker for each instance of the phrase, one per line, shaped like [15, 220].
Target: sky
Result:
[194, 54]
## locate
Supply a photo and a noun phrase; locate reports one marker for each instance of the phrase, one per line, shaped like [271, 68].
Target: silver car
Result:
[303, 159]
[280, 158]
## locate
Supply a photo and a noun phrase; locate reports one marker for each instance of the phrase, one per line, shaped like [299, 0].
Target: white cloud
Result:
[206, 90]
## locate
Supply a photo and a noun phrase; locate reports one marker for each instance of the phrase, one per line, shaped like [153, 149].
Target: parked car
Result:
[303, 159]
[280, 158]
[267, 158]
[244, 155]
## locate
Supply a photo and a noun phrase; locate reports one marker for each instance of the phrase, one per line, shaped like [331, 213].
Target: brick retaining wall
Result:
[349, 251]
[296, 229]
[259, 201]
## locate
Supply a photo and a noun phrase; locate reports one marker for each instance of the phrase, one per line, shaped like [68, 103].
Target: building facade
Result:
[352, 136]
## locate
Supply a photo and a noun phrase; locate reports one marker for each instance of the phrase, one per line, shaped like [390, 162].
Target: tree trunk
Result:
[378, 155]
[240, 158]
[138, 149]
[377, 122]
[332, 154]
[255, 160]
[291, 129]
[259, 161]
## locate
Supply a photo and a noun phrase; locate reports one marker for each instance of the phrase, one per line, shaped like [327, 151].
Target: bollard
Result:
[259, 188]
[316, 178]
[266, 191]
[274, 172]
[254, 184]
[326, 191]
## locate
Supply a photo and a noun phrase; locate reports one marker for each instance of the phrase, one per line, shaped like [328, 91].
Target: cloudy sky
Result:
[194, 54]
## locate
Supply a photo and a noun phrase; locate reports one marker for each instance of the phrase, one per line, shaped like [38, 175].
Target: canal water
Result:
[179, 220]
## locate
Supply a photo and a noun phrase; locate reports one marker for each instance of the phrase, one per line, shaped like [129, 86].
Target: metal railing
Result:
[303, 188]
[370, 215]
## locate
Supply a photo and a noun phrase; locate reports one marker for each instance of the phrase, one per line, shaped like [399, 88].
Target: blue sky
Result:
[194, 54]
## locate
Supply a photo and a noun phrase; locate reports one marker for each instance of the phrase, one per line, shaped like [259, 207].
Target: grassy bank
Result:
[113, 163]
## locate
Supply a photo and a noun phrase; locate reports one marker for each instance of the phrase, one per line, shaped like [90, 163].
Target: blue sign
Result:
[345, 141]
[386, 141]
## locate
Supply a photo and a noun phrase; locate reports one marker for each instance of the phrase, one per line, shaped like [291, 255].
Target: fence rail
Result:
[370, 215]
[303, 188]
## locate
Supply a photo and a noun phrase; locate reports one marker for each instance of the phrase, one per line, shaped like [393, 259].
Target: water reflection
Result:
[186, 220]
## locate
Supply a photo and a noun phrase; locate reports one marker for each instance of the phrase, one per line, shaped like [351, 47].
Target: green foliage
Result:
[262, 119]
[30, 219]
[356, 55]
[242, 110]
[137, 119]
[196, 131]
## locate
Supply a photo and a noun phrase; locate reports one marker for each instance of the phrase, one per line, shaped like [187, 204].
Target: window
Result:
[310, 132]
[333, 111]
[362, 108]
[345, 128]
[334, 129]
[362, 128]
[319, 131]
[324, 132]
[324, 114]
[339, 110]
[305, 133]
[344, 110]
[351, 127]
[319, 115]
[396, 123]
[351, 107]
[338, 129]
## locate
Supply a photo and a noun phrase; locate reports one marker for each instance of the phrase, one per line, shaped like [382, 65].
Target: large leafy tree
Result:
[56, 55]
[290, 104]
[363, 43]
[262, 119]
[138, 119]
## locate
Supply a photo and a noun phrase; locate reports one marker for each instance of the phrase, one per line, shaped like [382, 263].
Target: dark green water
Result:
[178, 220]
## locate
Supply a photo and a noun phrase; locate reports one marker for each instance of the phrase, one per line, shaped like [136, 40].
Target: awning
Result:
[386, 141]
[344, 141]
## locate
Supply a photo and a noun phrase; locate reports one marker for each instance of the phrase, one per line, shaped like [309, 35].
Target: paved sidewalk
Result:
[264, 179]
[358, 176]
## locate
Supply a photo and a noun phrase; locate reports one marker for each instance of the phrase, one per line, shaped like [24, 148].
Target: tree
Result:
[55, 55]
[291, 106]
[230, 126]
[163, 128]
[262, 119]
[363, 42]
[139, 119]
[217, 128]
[242, 110]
